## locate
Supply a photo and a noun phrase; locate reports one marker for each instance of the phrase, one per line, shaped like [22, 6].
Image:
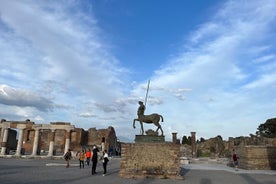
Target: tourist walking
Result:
[81, 159]
[105, 161]
[94, 159]
[68, 157]
[88, 155]
[235, 160]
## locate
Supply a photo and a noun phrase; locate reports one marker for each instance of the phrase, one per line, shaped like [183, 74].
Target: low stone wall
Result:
[257, 157]
[157, 160]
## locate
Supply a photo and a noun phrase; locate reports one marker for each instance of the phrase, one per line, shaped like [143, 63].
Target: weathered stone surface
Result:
[95, 137]
[257, 157]
[213, 147]
[254, 152]
[149, 138]
[185, 150]
[151, 132]
[158, 160]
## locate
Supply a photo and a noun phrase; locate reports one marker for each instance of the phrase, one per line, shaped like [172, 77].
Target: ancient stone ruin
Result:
[28, 138]
[254, 152]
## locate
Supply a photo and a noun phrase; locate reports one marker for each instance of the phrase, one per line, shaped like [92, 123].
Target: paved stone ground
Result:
[45, 171]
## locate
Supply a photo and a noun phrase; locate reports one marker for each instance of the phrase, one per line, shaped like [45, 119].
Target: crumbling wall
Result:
[257, 157]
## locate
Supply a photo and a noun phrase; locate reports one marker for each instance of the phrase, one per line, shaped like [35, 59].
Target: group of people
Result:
[86, 157]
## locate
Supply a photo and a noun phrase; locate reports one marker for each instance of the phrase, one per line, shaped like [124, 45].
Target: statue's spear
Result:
[147, 93]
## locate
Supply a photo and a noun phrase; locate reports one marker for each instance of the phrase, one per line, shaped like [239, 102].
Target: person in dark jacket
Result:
[235, 160]
[94, 159]
[68, 157]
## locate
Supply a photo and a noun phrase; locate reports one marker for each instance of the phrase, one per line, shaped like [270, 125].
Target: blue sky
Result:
[211, 64]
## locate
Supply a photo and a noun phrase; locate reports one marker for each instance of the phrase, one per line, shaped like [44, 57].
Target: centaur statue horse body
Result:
[152, 118]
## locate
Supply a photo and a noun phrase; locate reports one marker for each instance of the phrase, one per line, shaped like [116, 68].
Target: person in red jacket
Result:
[88, 156]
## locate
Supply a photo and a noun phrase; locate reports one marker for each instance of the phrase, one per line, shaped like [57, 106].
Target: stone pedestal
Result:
[153, 160]
[149, 138]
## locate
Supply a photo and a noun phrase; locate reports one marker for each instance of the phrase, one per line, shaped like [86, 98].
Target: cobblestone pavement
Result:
[45, 171]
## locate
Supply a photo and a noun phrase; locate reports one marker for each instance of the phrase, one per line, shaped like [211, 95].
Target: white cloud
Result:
[265, 58]
[22, 98]
[87, 115]
[265, 81]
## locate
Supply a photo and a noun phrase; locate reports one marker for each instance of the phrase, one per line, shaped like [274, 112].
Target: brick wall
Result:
[257, 157]
[79, 138]
[158, 160]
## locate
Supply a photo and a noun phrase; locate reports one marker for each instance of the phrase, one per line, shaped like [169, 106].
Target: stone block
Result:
[157, 160]
[257, 157]
[149, 138]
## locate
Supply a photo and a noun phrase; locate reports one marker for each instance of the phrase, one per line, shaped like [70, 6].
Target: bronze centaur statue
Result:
[152, 118]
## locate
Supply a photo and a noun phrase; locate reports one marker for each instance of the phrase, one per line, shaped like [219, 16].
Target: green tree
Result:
[267, 129]
[190, 140]
[186, 140]
[202, 139]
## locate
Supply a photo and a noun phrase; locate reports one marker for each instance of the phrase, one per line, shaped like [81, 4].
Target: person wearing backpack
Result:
[81, 159]
[68, 157]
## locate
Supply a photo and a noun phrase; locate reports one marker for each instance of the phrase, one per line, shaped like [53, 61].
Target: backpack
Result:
[67, 155]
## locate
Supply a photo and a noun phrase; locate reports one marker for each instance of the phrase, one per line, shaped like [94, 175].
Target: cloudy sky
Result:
[211, 64]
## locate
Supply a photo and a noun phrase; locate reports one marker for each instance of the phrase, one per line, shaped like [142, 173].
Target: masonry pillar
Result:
[103, 143]
[52, 141]
[174, 138]
[193, 137]
[67, 140]
[35, 144]
[4, 141]
[19, 142]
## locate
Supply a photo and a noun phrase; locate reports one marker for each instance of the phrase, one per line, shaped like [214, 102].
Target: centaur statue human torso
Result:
[152, 118]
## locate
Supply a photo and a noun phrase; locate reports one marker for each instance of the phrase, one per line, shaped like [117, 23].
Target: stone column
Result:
[193, 137]
[4, 141]
[52, 141]
[67, 141]
[174, 138]
[19, 142]
[35, 144]
[103, 143]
